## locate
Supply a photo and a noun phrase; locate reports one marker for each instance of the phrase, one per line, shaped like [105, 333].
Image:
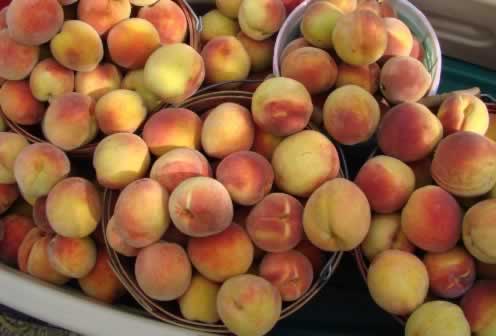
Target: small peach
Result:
[216, 24]
[260, 19]
[18, 103]
[49, 79]
[318, 23]
[199, 303]
[72, 257]
[169, 20]
[16, 60]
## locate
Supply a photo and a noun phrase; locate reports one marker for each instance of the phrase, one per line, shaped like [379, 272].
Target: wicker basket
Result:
[169, 312]
[33, 133]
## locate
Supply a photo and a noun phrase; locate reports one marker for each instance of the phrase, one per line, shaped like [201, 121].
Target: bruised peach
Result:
[16, 60]
[478, 233]
[400, 39]
[260, 52]
[13, 230]
[103, 14]
[19, 105]
[260, 19]
[216, 24]
[98, 82]
[318, 23]
[169, 20]
[72, 257]
[11, 144]
[365, 76]
[49, 79]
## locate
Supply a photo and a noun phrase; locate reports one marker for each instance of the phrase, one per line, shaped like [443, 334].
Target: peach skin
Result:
[463, 112]
[479, 305]
[199, 303]
[478, 233]
[260, 19]
[169, 20]
[49, 79]
[72, 257]
[103, 14]
[16, 60]
[18, 103]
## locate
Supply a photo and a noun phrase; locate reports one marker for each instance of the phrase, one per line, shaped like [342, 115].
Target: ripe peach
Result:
[400, 39]
[347, 6]
[103, 14]
[422, 171]
[463, 112]
[316, 256]
[479, 305]
[169, 20]
[199, 303]
[49, 79]
[19, 105]
[294, 45]
[318, 23]
[11, 144]
[9, 193]
[16, 60]
[135, 80]
[116, 242]
[260, 52]
[216, 24]
[13, 230]
[98, 82]
[38, 264]
[265, 143]
[229, 8]
[478, 233]
[260, 19]
[365, 76]
[72, 257]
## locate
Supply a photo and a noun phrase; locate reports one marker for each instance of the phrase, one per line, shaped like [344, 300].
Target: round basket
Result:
[408, 13]
[169, 311]
[34, 134]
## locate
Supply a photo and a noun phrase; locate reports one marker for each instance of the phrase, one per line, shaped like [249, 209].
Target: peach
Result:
[40, 218]
[38, 263]
[463, 112]
[174, 72]
[318, 23]
[275, 224]
[98, 82]
[369, 5]
[131, 42]
[11, 144]
[471, 174]
[260, 19]
[295, 154]
[294, 45]
[228, 128]
[72, 257]
[327, 226]
[385, 234]
[478, 233]
[135, 80]
[223, 255]
[387, 182]
[417, 50]
[365, 76]
[248, 298]
[199, 303]
[16, 60]
[26, 244]
[169, 20]
[102, 283]
[451, 273]
[316, 256]
[400, 39]
[431, 219]
[422, 171]
[163, 271]
[479, 305]
[49, 79]
[485, 271]
[103, 14]
[440, 318]
[247, 176]
[200, 207]
[281, 106]
[260, 52]
[404, 79]
[312, 67]
[70, 122]
[116, 242]
[172, 128]
[409, 132]
[13, 230]
[132, 154]
[9, 193]
[141, 213]
[491, 131]
[19, 105]
[351, 115]
[38, 168]
[347, 6]
[39, 26]
[290, 272]
[398, 281]
[74, 207]
[216, 24]
[77, 46]
[265, 143]
[360, 38]
[229, 8]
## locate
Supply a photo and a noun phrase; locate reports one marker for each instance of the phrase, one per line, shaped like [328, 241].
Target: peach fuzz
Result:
[318, 23]
[409, 132]
[463, 112]
[70, 122]
[13, 230]
[74, 207]
[216, 24]
[38, 168]
[39, 26]
[169, 20]
[316, 256]
[16, 60]
[103, 14]
[199, 303]
[491, 131]
[222, 256]
[479, 305]
[294, 45]
[290, 272]
[265, 143]
[174, 72]
[260, 52]
[38, 264]
[432, 219]
[281, 106]
[365, 76]
[116, 242]
[200, 207]
[11, 144]
[360, 38]
[172, 128]
[163, 271]
[347, 6]
[132, 154]
[404, 79]
[387, 182]
[248, 298]
[49, 79]
[471, 174]
[102, 283]
[40, 218]
[478, 232]
[77, 46]
[247, 176]
[417, 50]
[275, 224]
[385, 234]
[351, 115]
[440, 318]
[9, 193]
[260, 19]
[179, 165]
[312, 67]
[295, 154]
[135, 80]
[98, 82]
[141, 213]
[72, 257]
[229, 8]
[400, 39]
[422, 171]
[19, 105]
[398, 282]
[227, 129]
